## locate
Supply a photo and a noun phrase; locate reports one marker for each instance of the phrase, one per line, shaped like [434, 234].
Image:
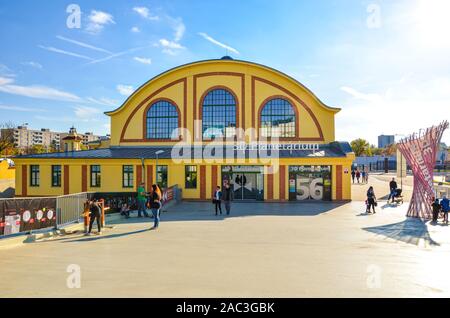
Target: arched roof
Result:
[222, 60]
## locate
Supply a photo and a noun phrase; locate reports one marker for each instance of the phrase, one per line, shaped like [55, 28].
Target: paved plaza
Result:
[261, 250]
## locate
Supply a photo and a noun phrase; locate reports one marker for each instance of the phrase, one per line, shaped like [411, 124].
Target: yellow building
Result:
[200, 125]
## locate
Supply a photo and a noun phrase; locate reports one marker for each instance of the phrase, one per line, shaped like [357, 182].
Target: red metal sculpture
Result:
[420, 153]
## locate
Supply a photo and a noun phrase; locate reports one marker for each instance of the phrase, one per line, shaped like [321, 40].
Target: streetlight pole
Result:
[401, 163]
[157, 154]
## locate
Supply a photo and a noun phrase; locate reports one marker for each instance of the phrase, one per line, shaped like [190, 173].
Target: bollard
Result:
[86, 213]
[102, 205]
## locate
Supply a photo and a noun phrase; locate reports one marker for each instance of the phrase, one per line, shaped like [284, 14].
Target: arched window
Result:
[218, 114]
[162, 119]
[278, 119]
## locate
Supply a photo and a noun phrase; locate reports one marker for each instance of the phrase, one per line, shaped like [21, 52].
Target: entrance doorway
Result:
[310, 183]
[247, 182]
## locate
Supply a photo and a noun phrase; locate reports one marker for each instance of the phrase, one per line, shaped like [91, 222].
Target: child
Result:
[125, 210]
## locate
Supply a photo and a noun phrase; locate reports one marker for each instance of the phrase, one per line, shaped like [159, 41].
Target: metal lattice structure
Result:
[420, 150]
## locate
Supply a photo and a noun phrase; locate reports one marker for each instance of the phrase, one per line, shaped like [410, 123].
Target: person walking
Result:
[353, 175]
[217, 200]
[367, 176]
[392, 190]
[436, 209]
[141, 200]
[363, 173]
[371, 200]
[227, 197]
[95, 214]
[358, 175]
[155, 205]
[445, 206]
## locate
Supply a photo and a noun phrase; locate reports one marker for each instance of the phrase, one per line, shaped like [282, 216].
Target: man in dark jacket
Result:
[393, 189]
[94, 208]
[227, 197]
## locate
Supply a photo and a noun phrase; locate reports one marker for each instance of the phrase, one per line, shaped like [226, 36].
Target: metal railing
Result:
[70, 207]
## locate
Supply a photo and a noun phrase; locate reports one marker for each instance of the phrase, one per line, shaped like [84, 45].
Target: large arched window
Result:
[278, 119]
[218, 114]
[162, 119]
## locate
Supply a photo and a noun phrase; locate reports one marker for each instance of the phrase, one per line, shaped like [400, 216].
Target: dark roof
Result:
[332, 150]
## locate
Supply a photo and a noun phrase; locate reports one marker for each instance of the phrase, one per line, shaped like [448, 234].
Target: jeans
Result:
[155, 213]
[93, 217]
[227, 206]
[392, 194]
[218, 205]
[141, 208]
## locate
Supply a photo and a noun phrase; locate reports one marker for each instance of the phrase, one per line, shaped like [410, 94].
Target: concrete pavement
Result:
[262, 250]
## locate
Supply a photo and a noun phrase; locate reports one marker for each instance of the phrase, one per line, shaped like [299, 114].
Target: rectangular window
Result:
[161, 176]
[56, 175]
[190, 176]
[127, 176]
[34, 175]
[95, 176]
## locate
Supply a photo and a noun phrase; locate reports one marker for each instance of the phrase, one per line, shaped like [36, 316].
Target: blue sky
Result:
[385, 63]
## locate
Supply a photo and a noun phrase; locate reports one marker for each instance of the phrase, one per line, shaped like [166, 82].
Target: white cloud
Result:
[115, 55]
[170, 44]
[145, 13]
[125, 90]
[82, 44]
[21, 109]
[403, 108]
[36, 91]
[33, 64]
[179, 29]
[6, 80]
[214, 41]
[86, 113]
[143, 60]
[103, 101]
[169, 52]
[362, 96]
[135, 29]
[6, 71]
[55, 50]
[98, 20]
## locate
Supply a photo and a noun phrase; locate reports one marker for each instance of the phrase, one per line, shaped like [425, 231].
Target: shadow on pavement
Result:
[204, 211]
[96, 237]
[410, 231]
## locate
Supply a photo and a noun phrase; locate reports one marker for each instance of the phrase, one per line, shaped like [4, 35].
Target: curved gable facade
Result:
[251, 85]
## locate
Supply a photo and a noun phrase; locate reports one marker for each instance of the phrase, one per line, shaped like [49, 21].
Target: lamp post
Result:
[157, 154]
[401, 163]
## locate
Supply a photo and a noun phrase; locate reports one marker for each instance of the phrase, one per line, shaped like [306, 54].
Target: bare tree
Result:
[6, 137]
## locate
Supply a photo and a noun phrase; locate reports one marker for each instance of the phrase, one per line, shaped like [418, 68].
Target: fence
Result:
[24, 215]
[69, 208]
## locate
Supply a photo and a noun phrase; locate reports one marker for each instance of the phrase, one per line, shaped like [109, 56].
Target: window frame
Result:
[296, 117]
[187, 172]
[128, 174]
[158, 182]
[98, 174]
[35, 176]
[147, 118]
[223, 110]
[58, 175]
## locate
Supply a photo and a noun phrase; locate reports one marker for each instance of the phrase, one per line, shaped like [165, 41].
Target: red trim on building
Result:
[24, 180]
[138, 175]
[283, 182]
[84, 178]
[66, 179]
[213, 178]
[339, 183]
[203, 182]
[270, 186]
